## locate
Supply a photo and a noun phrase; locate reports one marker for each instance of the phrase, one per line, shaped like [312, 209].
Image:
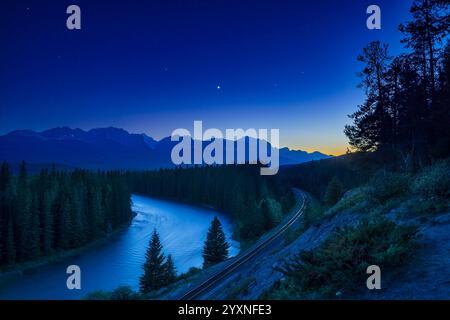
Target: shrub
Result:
[334, 191]
[353, 200]
[98, 295]
[433, 181]
[124, 293]
[271, 212]
[385, 185]
[191, 272]
[339, 264]
[426, 206]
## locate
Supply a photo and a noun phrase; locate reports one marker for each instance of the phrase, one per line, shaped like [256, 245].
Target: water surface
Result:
[182, 229]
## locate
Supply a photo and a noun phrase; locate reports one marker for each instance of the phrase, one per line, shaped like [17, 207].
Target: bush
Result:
[98, 295]
[433, 181]
[124, 293]
[191, 272]
[339, 264]
[354, 201]
[385, 185]
[271, 212]
[334, 191]
[426, 206]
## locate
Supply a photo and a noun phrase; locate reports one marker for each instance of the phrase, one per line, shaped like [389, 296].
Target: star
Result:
[219, 87]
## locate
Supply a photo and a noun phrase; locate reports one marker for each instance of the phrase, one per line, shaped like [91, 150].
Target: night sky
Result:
[153, 66]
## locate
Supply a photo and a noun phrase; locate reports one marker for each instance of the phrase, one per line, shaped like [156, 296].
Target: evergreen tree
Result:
[33, 249]
[271, 212]
[24, 215]
[51, 211]
[425, 34]
[95, 214]
[10, 244]
[170, 273]
[1, 229]
[46, 224]
[334, 191]
[154, 266]
[216, 247]
[372, 126]
[4, 181]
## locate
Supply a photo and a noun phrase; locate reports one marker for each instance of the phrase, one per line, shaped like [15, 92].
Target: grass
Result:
[338, 265]
[241, 289]
[313, 214]
[354, 201]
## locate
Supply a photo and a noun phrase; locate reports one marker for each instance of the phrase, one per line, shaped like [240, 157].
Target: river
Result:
[182, 229]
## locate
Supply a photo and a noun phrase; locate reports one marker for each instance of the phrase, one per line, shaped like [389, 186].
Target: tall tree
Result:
[334, 191]
[170, 272]
[372, 123]
[41, 214]
[24, 215]
[4, 182]
[216, 247]
[154, 266]
[10, 246]
[425, 33]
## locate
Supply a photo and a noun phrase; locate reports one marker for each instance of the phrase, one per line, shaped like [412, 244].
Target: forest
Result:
[54, 211]
[48, 213]
[403, 125]
[255, 203]
[405, 116]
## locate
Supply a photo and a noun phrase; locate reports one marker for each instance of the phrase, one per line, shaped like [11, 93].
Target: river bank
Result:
[118, 259]
[9, 271]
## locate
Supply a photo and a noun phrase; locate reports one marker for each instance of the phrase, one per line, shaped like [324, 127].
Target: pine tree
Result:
[271, 212]
[1, 228]
[216, 247]
[4, 180]
[24, 215]
[96, 215]
[334, 191]
[170, 273]
[425, 35]
[154, 266]
[10, 255]
[33, 249]
[372, 125]
[47, 224]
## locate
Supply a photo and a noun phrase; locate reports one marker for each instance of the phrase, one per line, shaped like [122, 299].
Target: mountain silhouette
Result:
[105, 148]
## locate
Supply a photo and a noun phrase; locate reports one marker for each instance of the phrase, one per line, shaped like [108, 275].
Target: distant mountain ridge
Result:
[104, 148]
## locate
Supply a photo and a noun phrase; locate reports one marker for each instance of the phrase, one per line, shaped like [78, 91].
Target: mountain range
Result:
[104, 148]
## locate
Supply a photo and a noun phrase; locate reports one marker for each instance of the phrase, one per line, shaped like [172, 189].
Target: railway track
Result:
[242, 258]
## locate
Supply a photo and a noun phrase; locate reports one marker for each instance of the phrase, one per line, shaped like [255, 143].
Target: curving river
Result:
[182, 229]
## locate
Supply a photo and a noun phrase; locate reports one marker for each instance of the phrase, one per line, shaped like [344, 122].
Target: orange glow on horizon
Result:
[328, 150]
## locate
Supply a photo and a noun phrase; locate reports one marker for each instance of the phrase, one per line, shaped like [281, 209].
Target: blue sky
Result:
[153, 66]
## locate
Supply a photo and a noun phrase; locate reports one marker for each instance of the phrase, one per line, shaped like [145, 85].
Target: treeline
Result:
[256, 203]
[315, 177]
[328, 179]
[54, 211]
[406, 114]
